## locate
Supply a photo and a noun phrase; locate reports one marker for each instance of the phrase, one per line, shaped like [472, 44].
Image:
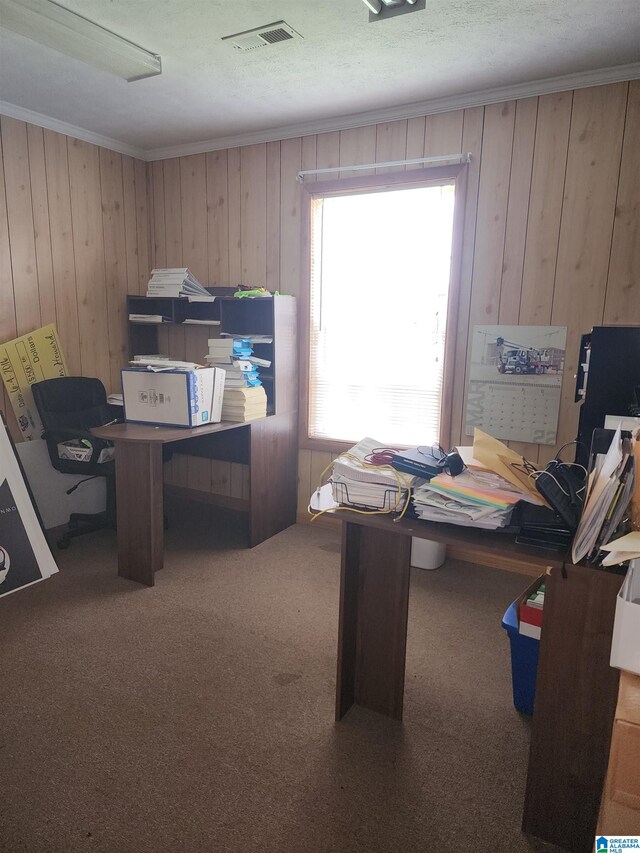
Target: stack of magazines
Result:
[174, 281]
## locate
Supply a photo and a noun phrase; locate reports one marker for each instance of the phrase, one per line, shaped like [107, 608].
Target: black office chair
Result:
[69, 407]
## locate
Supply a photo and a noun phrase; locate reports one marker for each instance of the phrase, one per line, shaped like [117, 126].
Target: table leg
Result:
[372, 639]
[140, 510]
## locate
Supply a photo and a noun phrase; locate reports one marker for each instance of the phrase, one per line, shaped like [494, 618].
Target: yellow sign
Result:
[23, 362]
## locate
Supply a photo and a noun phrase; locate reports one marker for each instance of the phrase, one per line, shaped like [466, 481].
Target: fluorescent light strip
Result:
[63, 30]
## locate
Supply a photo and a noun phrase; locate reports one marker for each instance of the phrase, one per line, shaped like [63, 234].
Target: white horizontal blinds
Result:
[380, 266]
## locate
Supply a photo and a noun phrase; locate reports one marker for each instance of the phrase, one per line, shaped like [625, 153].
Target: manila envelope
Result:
[501, 459]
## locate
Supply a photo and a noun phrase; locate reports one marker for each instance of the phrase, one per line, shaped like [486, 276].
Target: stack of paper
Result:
[610, 488]
[623, 549]
[174, 281]
[158, 363]
[244, 404]
[434, 504]
[356, 482]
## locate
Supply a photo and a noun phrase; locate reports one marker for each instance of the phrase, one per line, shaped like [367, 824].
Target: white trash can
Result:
[426, 554]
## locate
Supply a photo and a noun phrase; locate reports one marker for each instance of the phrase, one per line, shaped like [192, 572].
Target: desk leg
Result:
[140, 511]
[372, 636]
[576, 694]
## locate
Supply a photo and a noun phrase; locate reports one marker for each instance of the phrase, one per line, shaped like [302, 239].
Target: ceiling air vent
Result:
[262, 36]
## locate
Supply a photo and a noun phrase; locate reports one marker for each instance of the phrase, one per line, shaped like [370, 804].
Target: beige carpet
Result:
[198, 715]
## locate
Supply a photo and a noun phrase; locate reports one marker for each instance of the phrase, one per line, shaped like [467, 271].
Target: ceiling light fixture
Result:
[380, 9]
[61, 29]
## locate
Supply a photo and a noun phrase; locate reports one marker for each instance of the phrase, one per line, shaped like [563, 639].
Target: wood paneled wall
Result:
[552, 233]
[74, 239]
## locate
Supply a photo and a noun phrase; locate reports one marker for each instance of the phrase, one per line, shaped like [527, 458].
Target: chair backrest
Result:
[79, 402]
[72, 403]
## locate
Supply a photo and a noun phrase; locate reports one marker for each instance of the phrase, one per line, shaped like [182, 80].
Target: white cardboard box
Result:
[183, 398]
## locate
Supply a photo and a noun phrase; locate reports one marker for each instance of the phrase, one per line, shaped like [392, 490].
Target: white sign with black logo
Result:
[25, 557]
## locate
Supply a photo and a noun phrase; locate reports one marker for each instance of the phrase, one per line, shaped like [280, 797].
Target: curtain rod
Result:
[441, 158]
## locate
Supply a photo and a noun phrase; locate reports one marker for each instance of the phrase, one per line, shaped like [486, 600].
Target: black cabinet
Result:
[274, 317]
[609, 383]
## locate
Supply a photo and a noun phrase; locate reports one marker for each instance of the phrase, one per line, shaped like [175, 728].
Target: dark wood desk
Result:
[576, 688]
[267, 445]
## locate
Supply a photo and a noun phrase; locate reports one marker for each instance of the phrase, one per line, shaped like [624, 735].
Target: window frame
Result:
[434, 176]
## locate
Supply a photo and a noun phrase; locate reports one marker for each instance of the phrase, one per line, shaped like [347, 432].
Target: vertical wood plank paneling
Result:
[272, 249]
[545, 207]
[593, 166]
[622, 304]
[327, 152]
[443, 133]
[41, 224]
[86, 211]
[159, 225]
[193, 209]
[62, 247]
[491, 217]
[517, 210]
[357, 148]
[173, 213]
[391, 144]
[20, 217]
[115, 259]
[218, 218]
[234, 206]
[253, 214]
[144, 219]
[516, 227]
[130, 226]
[7, 304]
[415, 140]
[290, 165]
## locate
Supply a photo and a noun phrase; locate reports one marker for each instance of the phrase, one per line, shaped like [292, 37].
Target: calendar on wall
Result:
[515, 381]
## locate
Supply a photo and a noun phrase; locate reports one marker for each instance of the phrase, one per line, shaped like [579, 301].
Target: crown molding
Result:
[547, 86]
[40, 120]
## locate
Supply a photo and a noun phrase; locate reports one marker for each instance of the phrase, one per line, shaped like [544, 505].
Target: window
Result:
[380, 282]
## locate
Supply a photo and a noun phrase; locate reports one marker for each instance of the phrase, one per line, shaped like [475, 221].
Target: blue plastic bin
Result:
[524, 661]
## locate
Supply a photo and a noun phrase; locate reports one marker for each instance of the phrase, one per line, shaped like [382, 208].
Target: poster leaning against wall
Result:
[25, 557]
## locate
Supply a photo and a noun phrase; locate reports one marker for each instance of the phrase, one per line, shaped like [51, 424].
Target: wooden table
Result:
[576, 688]
[267, 445]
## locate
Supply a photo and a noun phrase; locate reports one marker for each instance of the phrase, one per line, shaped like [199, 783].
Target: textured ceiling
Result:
[343, 65]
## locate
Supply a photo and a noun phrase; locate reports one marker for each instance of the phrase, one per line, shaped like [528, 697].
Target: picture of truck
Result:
[521, 359]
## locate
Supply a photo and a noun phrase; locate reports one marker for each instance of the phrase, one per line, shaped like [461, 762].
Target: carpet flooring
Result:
[197, 716]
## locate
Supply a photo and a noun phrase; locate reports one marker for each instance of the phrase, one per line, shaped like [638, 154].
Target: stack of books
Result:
[244, 396]
[244, 404]
[235, 357]
[175, 281]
